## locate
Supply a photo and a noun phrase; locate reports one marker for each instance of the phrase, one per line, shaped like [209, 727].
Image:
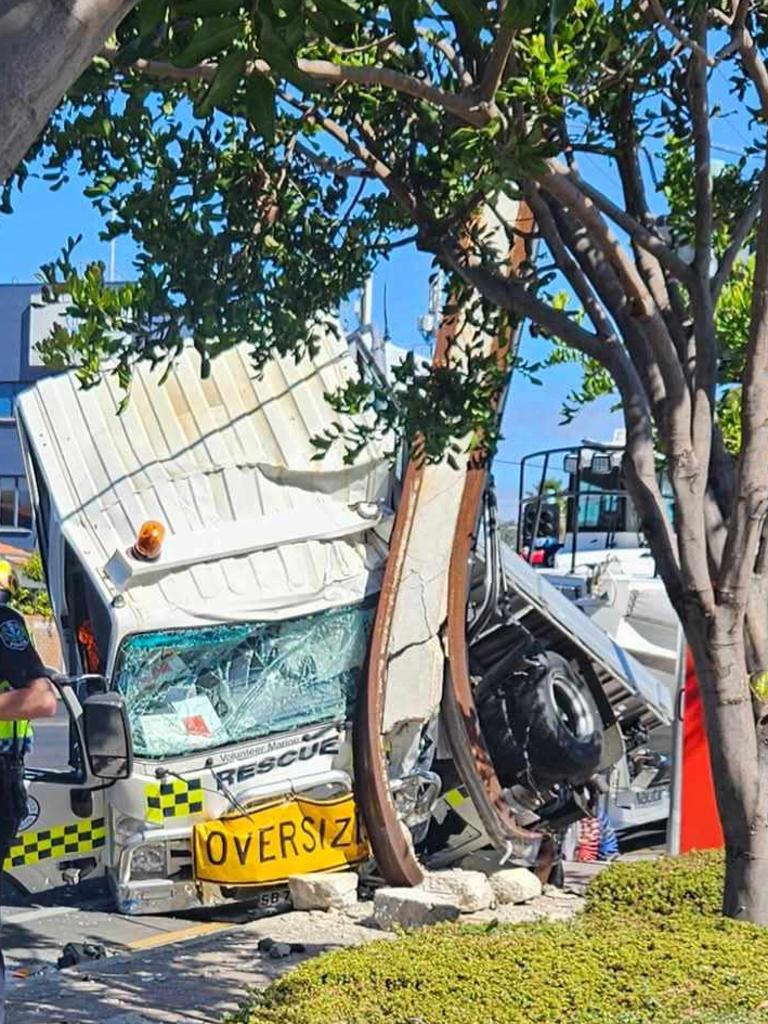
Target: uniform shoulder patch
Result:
[13, 635]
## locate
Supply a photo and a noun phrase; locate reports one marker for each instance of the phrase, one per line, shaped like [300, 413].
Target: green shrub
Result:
[693, 882]
[597, 970]
[33, 568]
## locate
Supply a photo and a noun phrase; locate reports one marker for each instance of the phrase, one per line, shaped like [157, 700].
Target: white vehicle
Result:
[209, 570]
[596, 554]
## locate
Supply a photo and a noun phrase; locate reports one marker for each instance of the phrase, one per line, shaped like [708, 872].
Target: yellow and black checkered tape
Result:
[57, 841]
[173, 798]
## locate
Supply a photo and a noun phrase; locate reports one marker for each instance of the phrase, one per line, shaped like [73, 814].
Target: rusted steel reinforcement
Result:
[389, 838]
[458, 712]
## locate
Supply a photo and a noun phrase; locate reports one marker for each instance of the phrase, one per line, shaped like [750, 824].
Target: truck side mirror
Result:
[107, 736]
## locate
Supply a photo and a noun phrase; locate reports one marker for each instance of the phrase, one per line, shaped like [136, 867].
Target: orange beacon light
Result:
[149, 541]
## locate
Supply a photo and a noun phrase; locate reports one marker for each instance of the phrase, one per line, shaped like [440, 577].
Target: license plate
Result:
[278, 840]
[655, 795]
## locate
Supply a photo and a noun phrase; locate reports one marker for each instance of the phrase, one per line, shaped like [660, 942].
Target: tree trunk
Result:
[746, 875]
[44, 47]
[739, 758]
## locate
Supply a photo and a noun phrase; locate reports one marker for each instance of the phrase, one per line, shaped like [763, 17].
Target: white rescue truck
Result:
[215, 582]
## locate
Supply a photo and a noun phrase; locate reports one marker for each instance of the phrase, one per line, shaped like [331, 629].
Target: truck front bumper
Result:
[167, 896]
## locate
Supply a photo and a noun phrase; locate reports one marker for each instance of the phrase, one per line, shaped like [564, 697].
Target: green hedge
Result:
[650, 949]
[666, 971]
[665, 886]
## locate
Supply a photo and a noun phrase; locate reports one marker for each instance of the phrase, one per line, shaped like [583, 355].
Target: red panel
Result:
[699, 821]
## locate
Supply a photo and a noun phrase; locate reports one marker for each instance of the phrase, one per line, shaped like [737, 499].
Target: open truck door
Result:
[64, 834]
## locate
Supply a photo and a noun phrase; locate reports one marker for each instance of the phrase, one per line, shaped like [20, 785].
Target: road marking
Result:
[181, 935]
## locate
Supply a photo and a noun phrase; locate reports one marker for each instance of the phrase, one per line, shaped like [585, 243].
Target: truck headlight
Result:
[149, 861]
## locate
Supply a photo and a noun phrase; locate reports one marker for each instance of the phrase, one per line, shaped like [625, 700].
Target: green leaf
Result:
[209, 39]
[282, 60]
[142, 26]
[520, 14]
[221, 90]
[206, 8]
[341, 12]
[260, 104]
[466, 14]
[404, 14]
[149, 14]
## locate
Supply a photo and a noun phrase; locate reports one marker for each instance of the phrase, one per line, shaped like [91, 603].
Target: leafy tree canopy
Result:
[264, 158]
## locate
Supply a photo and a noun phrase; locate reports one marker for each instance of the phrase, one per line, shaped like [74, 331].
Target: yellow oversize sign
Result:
[278, 840]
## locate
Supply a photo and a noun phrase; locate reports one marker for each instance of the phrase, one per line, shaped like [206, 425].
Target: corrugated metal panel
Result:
[200, 455]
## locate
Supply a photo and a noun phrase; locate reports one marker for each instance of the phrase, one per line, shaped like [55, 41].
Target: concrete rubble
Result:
[514, 885]
[412, 908]
[470, 890]
[442, 896]
[323, 890]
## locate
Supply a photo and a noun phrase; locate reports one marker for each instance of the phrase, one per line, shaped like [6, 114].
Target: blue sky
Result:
[42, 220]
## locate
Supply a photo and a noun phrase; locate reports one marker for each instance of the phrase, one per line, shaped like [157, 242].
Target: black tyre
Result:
[540, 721]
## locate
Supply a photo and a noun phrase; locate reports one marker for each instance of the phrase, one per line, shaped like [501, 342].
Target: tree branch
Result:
[645, 238]
[636, 203]
[568, 266]
[332, 166]
[462, 106]
[560, 184]
[699, 103]
[676, 31]
[511, 295]
[637, 417]
[740, 234]
[751, 497]
[441, 44]
[606, 284]
[687, 473]
[397, 188]
[705, 370]
[753, 62]
[497, 62]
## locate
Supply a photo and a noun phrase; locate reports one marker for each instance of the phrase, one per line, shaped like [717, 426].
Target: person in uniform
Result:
[25, 693]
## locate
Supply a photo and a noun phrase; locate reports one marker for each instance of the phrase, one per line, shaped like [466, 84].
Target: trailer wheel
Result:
[541, 723]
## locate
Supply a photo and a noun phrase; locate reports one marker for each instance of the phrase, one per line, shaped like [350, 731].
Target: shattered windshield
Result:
[191, 689]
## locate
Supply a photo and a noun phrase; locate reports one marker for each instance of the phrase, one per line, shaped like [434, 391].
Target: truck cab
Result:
[237, 646]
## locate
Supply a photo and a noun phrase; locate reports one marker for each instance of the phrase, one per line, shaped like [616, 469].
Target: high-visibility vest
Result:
[15, 737]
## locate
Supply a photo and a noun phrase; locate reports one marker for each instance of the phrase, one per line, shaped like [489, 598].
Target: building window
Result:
[8, 393]
[15, 504]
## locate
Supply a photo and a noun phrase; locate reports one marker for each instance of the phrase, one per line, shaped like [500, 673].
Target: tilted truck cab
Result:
[239, 647]
[239, 651]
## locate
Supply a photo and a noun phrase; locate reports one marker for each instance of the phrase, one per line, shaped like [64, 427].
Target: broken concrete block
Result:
[411, 908]
[514, 885]
[469, 890]
[324, 890]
